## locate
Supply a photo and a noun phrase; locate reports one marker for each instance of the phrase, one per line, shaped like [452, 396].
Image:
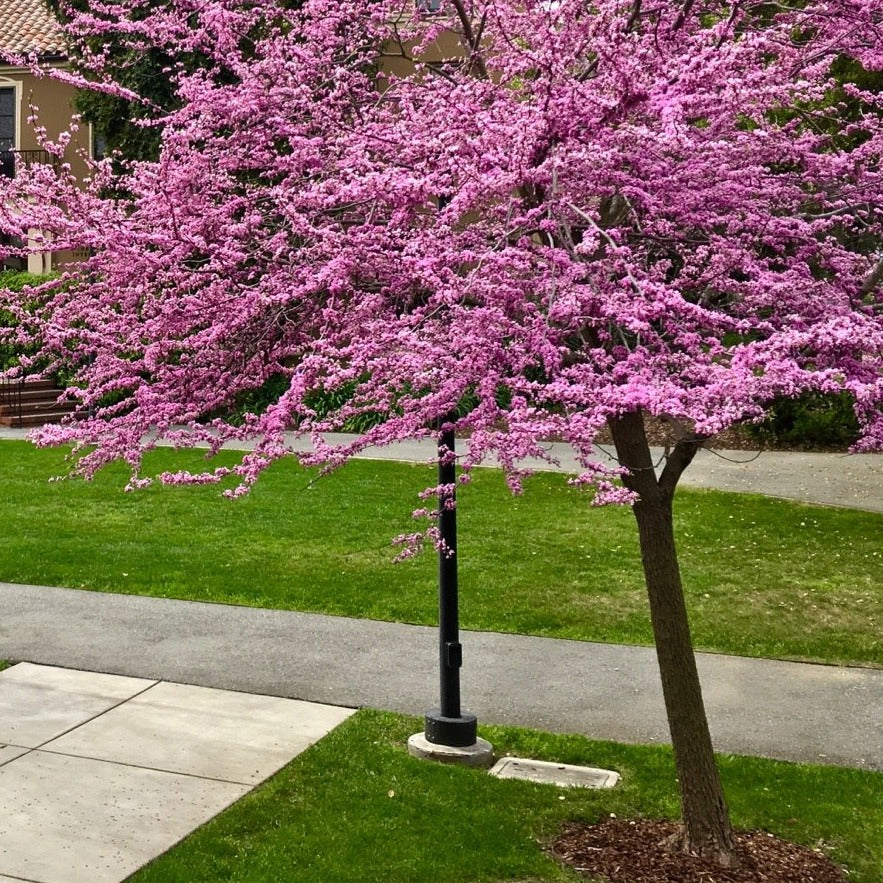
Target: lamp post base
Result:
[456, 732]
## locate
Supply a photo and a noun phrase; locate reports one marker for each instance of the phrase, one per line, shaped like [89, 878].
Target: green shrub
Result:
[16, 280]
[813, 420]
[324, 402]
[10, 351]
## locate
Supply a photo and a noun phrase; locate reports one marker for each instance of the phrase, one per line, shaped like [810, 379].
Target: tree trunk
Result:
[706, 830]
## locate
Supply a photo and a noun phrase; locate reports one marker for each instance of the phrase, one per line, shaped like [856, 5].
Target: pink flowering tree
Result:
[515, 219]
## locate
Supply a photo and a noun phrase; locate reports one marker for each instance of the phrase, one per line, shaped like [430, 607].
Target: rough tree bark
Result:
[706, 822]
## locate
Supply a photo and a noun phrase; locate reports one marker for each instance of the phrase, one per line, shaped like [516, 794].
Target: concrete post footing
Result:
[481, 754]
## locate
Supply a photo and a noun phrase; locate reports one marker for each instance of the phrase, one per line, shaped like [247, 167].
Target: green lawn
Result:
[356, 807]
[764, 577]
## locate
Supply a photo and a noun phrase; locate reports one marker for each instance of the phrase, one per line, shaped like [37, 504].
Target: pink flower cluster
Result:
[560, 213]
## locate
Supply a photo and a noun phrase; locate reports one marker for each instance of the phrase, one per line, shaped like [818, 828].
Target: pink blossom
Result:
[637, 215]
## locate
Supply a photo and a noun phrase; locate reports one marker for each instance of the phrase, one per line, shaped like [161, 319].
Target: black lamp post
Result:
[448, 725]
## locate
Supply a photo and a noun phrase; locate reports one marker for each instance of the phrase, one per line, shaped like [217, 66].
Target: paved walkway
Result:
[850, 480]
[818, 713]
[99, 774]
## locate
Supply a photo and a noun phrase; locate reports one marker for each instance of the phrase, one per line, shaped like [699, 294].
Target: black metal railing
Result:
[11, 399]
[11, 160]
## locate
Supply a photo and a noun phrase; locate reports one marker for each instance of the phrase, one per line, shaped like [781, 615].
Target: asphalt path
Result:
[854, 481]
[792, 711]
[847, 480]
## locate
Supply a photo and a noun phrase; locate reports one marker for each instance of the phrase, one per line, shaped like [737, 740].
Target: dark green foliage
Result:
[10, 350]
[324, 402]
[848, 72]
[116, 120]
[256, 401]
[147, 73]
[17, 280]
[811, 421]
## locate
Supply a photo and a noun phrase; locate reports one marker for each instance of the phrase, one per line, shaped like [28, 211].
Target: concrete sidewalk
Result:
[817, 713]
[99, 773]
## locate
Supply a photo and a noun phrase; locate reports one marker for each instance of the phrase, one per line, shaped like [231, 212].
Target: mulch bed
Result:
[634, 851]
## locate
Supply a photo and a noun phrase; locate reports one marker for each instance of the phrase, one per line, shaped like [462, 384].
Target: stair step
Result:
[33, 419]
[30, 383]
[13, 406]
[32, 406]
[32, 395]
[31, 402]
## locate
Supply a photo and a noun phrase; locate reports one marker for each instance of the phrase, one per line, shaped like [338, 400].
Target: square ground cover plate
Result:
[564, 775]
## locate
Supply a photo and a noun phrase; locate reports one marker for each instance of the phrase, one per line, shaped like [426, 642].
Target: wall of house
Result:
[54, 103]
[446, 48]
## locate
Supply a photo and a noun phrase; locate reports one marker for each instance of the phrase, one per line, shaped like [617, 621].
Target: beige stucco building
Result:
[28, 30]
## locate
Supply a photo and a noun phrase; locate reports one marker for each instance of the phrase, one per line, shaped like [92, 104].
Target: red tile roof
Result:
[27, 26]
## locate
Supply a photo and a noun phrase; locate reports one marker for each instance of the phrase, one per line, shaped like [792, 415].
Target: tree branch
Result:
[677, 461]
[633, 452]
[471, 38]
[686, 9]
[873, 279]
[634, 15]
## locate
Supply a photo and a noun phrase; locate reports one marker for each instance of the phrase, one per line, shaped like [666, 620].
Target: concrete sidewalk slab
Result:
[10, 752]
[77, 820]
[130, 766]
[39, 703]
[216, 734]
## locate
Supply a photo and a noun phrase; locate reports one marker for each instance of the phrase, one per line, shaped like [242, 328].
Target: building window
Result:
[7, 132]
[99, 145]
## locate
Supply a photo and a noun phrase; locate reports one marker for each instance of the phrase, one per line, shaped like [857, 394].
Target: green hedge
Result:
[813, 420]
[15, 280]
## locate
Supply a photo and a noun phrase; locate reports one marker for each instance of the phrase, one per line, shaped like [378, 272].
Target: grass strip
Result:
[763, 577]
[357, 807]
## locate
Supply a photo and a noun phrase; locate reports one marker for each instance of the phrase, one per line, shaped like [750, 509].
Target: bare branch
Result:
[677, 461]
[686, 9]
[633, 16]
[873, 279]
[607, 237]
[471, 37]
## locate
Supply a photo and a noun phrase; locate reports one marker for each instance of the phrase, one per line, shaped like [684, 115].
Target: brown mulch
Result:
[634, 851]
